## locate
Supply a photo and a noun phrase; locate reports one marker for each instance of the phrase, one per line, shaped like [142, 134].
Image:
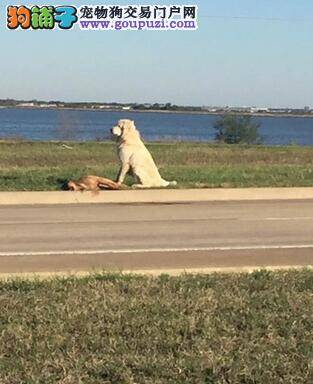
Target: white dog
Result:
[134, 156]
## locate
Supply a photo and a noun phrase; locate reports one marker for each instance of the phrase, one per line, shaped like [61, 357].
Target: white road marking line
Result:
[276, 218]
[288, 218]
[159, 250]
[180, 220]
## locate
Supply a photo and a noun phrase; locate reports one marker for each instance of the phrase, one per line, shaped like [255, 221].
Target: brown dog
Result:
[92, 183]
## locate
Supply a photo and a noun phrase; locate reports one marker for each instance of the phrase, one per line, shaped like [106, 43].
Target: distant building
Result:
[211, 109]
[239, 109]
[279, 110]
[48, 105]
[259, 110]
[26, 105]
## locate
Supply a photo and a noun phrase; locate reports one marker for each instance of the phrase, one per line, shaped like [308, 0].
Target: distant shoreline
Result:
[181, 112]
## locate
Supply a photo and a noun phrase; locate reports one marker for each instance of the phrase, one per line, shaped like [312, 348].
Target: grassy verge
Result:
[239, 328]
[46, 166]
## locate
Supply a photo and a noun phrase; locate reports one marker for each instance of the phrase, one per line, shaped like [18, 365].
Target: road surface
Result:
[183, 236]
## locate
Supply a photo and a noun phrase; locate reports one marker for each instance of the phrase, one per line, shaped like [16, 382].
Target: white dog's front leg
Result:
[122, 173]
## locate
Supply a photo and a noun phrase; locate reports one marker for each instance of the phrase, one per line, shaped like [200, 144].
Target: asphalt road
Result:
[156, 236]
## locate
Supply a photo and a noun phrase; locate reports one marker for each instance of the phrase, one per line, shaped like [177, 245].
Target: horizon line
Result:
[153, 103]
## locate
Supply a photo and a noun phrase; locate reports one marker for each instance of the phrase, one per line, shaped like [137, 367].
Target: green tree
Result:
[235, 129]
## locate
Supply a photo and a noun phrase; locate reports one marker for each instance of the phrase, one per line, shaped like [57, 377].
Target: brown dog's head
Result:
[72, 186]
[125, 128]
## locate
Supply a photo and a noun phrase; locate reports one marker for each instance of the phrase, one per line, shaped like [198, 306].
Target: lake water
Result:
[43, 124]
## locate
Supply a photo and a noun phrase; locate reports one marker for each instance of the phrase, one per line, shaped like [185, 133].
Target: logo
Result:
[47, 17]
[103, 18]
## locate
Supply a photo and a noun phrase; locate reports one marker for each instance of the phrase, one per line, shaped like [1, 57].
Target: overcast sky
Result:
[246, 52]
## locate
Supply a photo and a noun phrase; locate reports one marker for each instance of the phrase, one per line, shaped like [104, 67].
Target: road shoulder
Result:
[155, 196]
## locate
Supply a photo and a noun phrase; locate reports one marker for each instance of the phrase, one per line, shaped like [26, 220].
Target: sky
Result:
[245, 52]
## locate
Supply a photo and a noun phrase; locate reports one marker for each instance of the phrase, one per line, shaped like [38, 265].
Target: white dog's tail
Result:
[172, 183]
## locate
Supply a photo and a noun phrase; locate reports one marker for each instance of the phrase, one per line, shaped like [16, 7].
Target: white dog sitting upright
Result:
[134, 156]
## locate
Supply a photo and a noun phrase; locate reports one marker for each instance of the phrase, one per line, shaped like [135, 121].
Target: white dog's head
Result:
[125, 128]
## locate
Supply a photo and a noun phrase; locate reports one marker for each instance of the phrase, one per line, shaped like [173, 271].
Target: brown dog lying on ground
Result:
[92, 183]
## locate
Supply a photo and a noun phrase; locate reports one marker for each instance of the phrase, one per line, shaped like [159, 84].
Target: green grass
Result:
[236, 328]
[46, 166]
